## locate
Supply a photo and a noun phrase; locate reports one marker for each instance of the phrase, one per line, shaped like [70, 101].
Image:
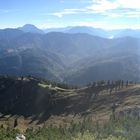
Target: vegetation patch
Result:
[119, 129]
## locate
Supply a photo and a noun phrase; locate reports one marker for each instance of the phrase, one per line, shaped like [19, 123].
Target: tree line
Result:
[109, 85]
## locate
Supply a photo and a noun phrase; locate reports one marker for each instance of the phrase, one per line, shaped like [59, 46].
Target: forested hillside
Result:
[73, 58]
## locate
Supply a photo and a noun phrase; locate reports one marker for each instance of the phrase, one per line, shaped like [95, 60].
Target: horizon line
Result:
[57, 27]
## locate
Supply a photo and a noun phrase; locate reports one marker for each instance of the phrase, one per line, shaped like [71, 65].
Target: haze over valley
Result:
[76, 55]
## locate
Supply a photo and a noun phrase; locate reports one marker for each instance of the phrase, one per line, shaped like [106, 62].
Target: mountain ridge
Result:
[59, 56]
[112, 33]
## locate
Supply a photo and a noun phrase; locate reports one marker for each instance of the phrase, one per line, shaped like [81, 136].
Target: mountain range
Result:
[77, 55]
[116, 33]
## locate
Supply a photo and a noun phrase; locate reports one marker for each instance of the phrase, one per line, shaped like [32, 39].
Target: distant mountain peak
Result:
[29, 25]
[30, 28]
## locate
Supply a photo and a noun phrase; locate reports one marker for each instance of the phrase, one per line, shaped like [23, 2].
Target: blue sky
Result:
[107, 14]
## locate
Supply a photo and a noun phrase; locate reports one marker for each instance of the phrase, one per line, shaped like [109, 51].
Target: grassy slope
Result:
[73, 105]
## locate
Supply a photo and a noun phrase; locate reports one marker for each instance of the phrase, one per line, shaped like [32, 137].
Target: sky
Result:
[106, 14]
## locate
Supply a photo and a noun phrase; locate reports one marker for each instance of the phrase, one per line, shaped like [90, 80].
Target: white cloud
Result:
[134, 4]
[99, 6]
[136, 26]
[58, 14]
[123, 13]
[132, 14]
[130, 9]
[109, 8]
[67, 12]
[103, 5]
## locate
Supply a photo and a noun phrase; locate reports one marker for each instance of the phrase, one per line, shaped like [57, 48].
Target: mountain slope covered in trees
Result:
[73, 58]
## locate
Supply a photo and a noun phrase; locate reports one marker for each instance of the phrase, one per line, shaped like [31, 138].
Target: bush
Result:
[122, 129]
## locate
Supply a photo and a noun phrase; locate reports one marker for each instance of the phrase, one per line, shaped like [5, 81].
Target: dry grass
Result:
[99, 109]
